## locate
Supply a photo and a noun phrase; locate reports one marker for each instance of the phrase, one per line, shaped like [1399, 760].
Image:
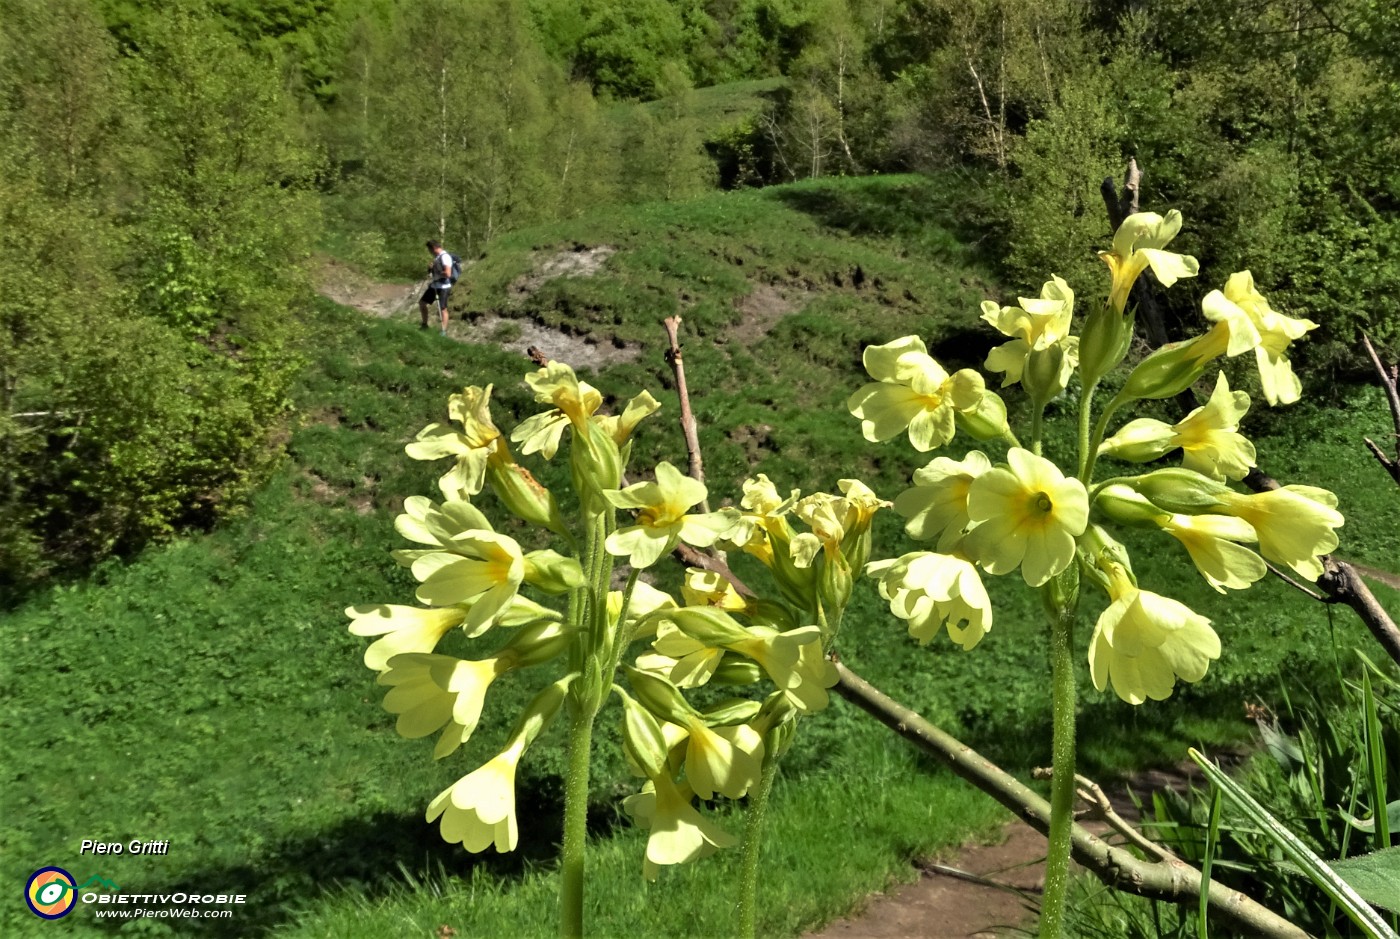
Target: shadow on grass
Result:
[372, 857]
[930, 214]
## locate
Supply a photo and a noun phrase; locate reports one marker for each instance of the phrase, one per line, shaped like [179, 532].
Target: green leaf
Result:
[1375, 876]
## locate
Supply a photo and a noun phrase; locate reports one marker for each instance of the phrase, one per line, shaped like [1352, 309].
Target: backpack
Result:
[456, 268]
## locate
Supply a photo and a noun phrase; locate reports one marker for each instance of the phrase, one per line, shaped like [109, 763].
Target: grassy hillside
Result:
[208, 693]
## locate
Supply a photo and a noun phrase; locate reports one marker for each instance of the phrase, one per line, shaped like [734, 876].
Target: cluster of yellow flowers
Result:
[1029, 515]
[471, 578]
[1022, 514]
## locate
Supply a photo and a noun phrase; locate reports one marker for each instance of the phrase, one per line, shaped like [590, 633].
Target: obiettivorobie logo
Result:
[52, 893]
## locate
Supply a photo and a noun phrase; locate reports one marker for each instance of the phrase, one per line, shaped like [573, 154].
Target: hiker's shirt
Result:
[440, 281]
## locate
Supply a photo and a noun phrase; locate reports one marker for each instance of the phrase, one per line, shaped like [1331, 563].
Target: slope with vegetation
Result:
[211, 695]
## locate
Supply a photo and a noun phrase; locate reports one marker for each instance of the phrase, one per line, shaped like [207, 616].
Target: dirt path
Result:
[943, 905]
[399, 301]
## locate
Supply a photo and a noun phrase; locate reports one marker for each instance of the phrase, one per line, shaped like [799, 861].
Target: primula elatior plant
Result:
[638, 645]
[1054, 525]
[1011, 511]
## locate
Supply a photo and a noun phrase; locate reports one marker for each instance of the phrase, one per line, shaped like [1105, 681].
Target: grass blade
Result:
[1212, 842]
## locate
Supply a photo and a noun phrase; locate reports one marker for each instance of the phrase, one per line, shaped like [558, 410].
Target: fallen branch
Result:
[1167, 879]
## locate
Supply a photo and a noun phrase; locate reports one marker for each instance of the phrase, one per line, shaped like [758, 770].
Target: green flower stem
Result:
[1100, 428]
[622, 636]
[1086, 401]
[1037, 425]
[1052, 907]
[572, 854]
[753, 840]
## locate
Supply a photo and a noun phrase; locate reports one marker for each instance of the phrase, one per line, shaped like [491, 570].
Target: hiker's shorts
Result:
[436, 295]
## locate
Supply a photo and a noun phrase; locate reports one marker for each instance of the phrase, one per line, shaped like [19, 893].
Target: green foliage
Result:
[268, 756]
[1314, 775]
[156, 211]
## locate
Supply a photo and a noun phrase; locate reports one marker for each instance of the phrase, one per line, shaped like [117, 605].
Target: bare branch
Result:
[1101, 808]
[692, 436]
[1392, 396]
[1291, 582]
[1168, 879]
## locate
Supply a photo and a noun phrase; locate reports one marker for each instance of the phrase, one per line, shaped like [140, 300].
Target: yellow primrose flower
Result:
[913, 393]
[1210, 540]
[723, 760]
[708, 588]
[937, 505]
[1137, 245]
[780, 654]
[825, 514]
[429, 692]
[1144, 641]
[477, 443]
[646, 600]
[1296, 524]
[572, 401]
[679, 833]
[661, 521]
[479, 809]
[487, 569]
[425, 522]
[1208, 437]
[1253, 324]
[620, 426]
[1026, 514]
[403, 628]
[1036, 326]
[683, 660]
[762, 516]
[931, 590]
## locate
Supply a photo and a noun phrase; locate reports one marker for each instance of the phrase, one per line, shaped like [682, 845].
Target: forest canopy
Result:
[165, 181]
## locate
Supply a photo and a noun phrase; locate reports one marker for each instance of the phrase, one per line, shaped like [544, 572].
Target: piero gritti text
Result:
[134, 846]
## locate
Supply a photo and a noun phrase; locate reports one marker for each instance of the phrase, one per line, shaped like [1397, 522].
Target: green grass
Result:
[207, 692]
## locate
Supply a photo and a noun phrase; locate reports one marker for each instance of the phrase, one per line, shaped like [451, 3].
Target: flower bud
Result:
[523, 495]
[595, 464]
[730, 712]
[834, 584]
[735, 671]
[1180, 490]
[551, 572]
[642, 738]
[986, 420]
[537, 643]
[659, 696]
[1047, 372]
[1171, 369]
[1127, 506]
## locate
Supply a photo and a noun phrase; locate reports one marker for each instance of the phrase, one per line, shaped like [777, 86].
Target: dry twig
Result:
[1389, 378]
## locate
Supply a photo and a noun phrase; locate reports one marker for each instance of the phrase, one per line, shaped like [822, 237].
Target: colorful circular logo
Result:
[51, 893]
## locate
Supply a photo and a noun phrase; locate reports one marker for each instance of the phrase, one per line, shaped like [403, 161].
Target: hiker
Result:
[442, 275]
